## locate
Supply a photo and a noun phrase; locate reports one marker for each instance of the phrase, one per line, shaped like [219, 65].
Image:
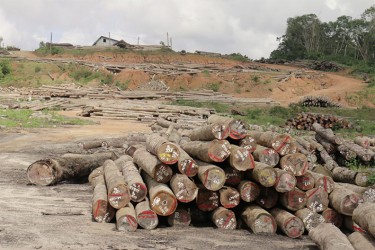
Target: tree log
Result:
[126, 220]
[240, 158]
[233, 176]
[152, 165]
[224, 218]
[237, 128]
[305, 182]
[186, 164]
[368, 193]
[344, 200]
[291, 225]
[146, 217]
[51, 171]
[317, 199]
[264, 174]
[259, 220]
[212, 177]
[207, 200]
[248, 143]
[328, 146]
[181, 217]
[327, 134]
[167, 152]
[213, 151]
[364, 216]
[361, 241]
[133, 179]
[184, 189]
[118, 191]
[229, 197]
[296, 163]
[162, 199]
[293, 200]
[364, 154]
[102, 211]
[268, 198]
[323, 181]
[97, 172]
[266, 155]
[329, 237]
[279, 142]
[332, 216]
[210, 132]
[249, 191]
[309, 218]
[364, 141]
[350, 225]
[285, 181]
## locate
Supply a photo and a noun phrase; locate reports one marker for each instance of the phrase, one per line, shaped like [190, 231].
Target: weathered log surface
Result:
[213, 151]
[332, 216]
[229, 197]
[259, 220]
[224, 218]
[305, 182]
[240, 158]
[264, 174]
[212, 177]
[126, 219]
[361, 241]
[184, 189]
[293, 200]
[329, 237]
[364, 216]
[285, 181]
[102, 211]
[266, 155]
[291, 225]
[180, 218]
[317, 199]
[309, 218]
[296, 163]
[249, 191]
[71, 166]
[344, 200]
[146, 217]
[210, 132]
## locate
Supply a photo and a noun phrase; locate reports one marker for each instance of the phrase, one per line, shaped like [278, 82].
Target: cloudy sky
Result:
[226, 26]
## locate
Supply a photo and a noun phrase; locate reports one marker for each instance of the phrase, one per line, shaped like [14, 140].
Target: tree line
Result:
[344, 39]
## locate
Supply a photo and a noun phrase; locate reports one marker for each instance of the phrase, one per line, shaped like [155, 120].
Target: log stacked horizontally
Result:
[224, 174]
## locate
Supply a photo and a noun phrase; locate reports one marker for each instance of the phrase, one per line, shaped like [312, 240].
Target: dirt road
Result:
[59, 217]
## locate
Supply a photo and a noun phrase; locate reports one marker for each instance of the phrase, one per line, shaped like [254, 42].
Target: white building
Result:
[105, 41]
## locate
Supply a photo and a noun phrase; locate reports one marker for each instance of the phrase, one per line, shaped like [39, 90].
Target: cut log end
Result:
[148, 219]
[219, 150]
[224, 218]
[163, 173]
[42, 172]
[138, 191]
[188, 167]
[164, 203]
[119, 197]
[168, 153]
[102, 211]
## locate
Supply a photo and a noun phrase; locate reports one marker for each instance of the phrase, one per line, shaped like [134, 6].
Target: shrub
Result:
[215, 86]
[37, 69]
[5, 68]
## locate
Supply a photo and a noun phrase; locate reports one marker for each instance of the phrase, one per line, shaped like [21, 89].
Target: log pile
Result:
[304, 121]
[212, 178]
[318, 101]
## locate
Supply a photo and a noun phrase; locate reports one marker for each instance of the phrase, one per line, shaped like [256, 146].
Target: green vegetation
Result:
[238, 57]
[26, 118]
[37, 69]
[255, 79]
[214, 86]
[5, 68]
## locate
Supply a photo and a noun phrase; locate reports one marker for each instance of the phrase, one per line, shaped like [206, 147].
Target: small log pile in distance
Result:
[225, 175]
[319, 101]
[304, 121]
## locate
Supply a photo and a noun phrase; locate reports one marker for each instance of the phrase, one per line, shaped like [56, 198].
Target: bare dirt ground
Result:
[59, 217]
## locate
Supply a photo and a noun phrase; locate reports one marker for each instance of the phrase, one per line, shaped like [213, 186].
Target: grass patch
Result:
[214, 86]
[26, 118]
[218, 107]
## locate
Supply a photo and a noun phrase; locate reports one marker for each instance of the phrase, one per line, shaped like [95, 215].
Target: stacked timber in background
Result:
[224, 175]
[304, 121]
[319, 101]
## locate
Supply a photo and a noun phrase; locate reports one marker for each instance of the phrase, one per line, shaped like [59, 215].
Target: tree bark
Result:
[184, 189]
[327, 134]
[259, 220]
[344, 200]
[317, 199]
[291, 225]
[361, 241]
[102, 211]
[152, 165]
[186, 164]
[212, 177]
[229, 197]
[296, 163]
[162, 199]
[237, 128]
[332, 216]
[305, 182]
[364, 216]
[118, 191]
[249, 191]
[126, 220]
[146, 217]
[285, 181]
[281, 143]
[224, 218]
[293, 200]
[71, 166]
[240, 158]
[264, 174]
[207, 200]
[210, 132]
[266, 155]
[166, 151]
[323, 181]
[309, 218]
[329, 237]
[368, 193]
[213, 151]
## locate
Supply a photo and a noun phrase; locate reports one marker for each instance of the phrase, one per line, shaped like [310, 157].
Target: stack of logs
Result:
[304, 121]
[223, 174]
[319, 101]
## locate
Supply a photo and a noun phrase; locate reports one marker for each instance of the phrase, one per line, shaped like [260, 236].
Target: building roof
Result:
[108, 38]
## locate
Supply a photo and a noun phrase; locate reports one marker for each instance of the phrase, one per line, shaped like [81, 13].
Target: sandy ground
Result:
[59, 217]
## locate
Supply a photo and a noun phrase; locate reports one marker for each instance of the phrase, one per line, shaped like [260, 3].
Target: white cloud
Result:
[246, 26]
